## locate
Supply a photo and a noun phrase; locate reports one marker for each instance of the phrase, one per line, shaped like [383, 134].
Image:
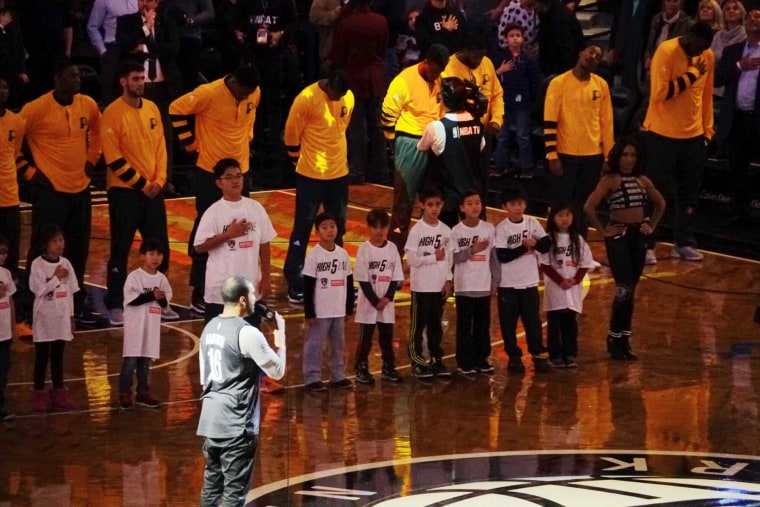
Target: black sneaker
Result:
[421, 371]
[467, 372]
[439, 369]
[295, 296]
[342, 384]
[316, 387]
[363, 376]
[516, 366]
[558, 362]
[86, 317]
[197, 303]
[542, 365]
[485, 368]
[571, 362]
[390, 374]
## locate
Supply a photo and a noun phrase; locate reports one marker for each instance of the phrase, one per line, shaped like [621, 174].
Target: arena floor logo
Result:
[529, 478]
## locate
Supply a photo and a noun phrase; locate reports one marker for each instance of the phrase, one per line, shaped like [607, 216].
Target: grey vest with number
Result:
[230, 382]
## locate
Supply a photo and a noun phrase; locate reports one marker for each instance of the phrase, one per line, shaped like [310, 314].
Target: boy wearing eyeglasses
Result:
[230, 231]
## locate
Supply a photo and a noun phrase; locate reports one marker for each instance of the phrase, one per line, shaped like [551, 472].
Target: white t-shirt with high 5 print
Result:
[331, 269]
[379, 266]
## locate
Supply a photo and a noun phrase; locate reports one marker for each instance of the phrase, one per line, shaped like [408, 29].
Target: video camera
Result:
[475, 102]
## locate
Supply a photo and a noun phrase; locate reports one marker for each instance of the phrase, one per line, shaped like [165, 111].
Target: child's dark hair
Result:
[513, 26]
[223, 165]
[468, 193]
[513, 193]
[323, 217]
[429, 192]
[152, 245]
[47, 233]
[378, 218]
[553, 231]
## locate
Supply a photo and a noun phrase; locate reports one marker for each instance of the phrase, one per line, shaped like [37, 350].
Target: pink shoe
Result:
[61, 402]
[40, 402]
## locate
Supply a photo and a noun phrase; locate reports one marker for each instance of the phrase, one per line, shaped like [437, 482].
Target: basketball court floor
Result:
[678, 427]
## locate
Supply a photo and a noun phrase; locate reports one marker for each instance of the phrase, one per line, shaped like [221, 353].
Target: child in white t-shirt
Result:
[564, 267]
[518, 238]
[146, 293]
[328, 300]
[53, 282]
[7, 325]
[473, 242]
[379, 273]
[429, 254]
[235, 231]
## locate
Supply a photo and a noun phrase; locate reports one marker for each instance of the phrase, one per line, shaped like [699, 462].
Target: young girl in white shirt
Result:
[564, 267]
[53, 282]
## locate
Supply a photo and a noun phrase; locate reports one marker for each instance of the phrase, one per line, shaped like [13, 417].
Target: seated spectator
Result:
[709, 13]
[406, 45]
[521, 12]
[669, 23]
[440, 23]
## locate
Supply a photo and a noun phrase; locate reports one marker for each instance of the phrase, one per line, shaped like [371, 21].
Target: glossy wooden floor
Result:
[694, 389]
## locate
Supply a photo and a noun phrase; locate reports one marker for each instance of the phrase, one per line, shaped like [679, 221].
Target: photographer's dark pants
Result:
[131, 211]
[228, 472]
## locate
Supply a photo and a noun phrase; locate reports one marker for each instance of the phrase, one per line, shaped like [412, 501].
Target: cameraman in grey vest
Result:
[233, 355]
[456, 142]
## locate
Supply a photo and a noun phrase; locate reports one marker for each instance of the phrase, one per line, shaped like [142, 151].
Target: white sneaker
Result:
[169, 314]
[686, 253]
[116, 316]
[650, 259]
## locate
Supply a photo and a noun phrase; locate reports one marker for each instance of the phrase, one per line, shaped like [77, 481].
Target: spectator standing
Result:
[63, 135]
[732, 32]
[361, 38]
[393, 12]
[13, 56]
[628, 39]
[560, 38]
[679, 122]
[48, 33]
[578, 131]
[324, 14]
[407, 51]
[224, 112]
[669, 23]
[710, 13]
[225, 24]
[520, 77]
[522, 13]
[265, 28]
[440, 22]
[152, 39]
[190, 16]
[739, 120]
[101, 28]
